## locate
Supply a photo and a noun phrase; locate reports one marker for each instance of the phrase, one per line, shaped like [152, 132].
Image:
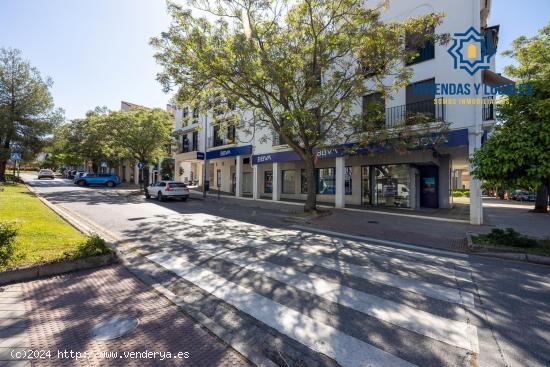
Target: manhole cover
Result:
[114, 327]
[372, 222]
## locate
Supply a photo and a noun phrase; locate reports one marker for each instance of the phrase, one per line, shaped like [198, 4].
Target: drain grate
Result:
[372, 222]
[115, 327]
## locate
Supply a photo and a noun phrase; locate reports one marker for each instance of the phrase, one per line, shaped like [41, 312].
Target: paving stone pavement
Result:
[62, 310]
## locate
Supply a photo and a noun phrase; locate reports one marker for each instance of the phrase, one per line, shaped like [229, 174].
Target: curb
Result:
[58, 268]
[518, 256]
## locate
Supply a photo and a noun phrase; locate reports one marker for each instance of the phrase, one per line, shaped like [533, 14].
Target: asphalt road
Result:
[324, 299]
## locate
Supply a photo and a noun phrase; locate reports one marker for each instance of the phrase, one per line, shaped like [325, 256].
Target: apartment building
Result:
[254, 165]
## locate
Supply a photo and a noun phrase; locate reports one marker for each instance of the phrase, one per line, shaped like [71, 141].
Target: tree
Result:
[142, 134]
[299, 67]
[27, 112]
[517, 153]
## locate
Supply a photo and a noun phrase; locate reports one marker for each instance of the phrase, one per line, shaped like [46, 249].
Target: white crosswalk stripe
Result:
[344, 349]
[452, 332]
[412, 310]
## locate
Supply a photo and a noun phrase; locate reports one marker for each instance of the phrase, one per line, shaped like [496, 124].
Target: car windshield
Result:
[45, 171]
[176, 184]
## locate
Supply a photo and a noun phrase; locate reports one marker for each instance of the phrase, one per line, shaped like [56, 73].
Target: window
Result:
[219, 178]
[374, 111]
[195, 113]
[218, 141]
[185, 112]
[231, 134]
[268, 182]
[347, 176]
[392, 185]
[289, 181]
[195, 141]
[326, 181]
[424, 51]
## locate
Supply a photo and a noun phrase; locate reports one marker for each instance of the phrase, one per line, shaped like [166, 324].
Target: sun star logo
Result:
[471, 51]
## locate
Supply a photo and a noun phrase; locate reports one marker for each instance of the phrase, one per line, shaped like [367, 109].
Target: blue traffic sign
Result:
[15, 156]
[141, 165]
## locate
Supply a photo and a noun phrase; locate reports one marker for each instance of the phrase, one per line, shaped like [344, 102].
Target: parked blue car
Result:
[106, 179]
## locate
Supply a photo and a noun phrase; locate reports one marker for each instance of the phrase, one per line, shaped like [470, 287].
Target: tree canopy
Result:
[27, 114]
[298, 68]
[137, 135]
[517, 154]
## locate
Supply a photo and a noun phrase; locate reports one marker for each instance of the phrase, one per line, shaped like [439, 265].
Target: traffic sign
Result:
[15, 156]
[103, 164]
[141, 165]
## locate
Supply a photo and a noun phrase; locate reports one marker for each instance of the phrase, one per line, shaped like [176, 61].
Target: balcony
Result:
[416, 113]
[278, 140]
[488, 108]
[215, 141]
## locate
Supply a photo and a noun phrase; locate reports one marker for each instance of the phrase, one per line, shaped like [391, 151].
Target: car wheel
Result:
[110, 184]
[147, 196]
[81, 183]
[160, 197]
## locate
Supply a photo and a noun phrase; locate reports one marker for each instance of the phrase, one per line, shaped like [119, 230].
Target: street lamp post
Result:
[205, 160]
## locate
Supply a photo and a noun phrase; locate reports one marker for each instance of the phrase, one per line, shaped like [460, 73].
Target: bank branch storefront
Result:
[419, 177]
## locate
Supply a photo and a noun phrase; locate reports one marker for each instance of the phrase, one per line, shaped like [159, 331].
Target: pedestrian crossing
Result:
[253, 265]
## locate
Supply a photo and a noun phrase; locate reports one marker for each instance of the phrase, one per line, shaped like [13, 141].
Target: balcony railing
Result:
[214, 141]
[488, 108]
[432, 110]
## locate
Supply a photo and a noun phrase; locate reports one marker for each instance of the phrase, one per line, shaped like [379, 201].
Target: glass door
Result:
[366, 187]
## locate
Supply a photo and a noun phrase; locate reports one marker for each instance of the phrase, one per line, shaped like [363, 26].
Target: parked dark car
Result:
[90, 179]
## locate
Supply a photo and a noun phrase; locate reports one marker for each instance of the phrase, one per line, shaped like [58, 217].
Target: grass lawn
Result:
[43, 235]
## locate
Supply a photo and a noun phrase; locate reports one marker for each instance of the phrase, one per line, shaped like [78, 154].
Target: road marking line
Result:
[456, 333]
[344, 349]
[422, 251]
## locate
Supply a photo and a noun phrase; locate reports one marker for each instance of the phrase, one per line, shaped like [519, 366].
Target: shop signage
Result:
[454, 138]
[229, 152]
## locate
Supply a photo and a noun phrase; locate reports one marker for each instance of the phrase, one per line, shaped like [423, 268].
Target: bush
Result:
[8, 232]
[94, 246]
[507, 237]
[460, 193]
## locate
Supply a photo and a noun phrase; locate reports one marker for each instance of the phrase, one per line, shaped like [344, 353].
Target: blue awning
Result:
[229, 152]
[453, 138]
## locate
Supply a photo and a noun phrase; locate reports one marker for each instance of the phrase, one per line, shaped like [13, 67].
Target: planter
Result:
[517, 255]
[49, 269]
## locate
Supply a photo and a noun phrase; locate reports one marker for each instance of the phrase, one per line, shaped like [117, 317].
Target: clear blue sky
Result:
[97, 51]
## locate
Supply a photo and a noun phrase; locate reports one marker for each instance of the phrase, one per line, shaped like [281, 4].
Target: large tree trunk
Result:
[541, 203]
[145, 176]
[311, 201]
[3, 165]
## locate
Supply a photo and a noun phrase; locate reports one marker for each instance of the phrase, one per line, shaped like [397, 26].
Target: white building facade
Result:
[245, 164]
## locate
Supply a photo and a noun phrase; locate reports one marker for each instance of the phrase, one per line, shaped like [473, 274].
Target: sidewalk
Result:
[61, 311]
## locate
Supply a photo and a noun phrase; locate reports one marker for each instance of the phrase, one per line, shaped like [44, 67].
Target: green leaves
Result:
[140, 134]
[27, 113]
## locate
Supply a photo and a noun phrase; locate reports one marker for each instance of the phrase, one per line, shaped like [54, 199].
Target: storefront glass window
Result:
[348, 174]
[289, 181]
[326, 182]
[392, 185]
[268, 182]
[247, 182]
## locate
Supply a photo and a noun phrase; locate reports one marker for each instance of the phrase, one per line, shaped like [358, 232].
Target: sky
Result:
[97, 51]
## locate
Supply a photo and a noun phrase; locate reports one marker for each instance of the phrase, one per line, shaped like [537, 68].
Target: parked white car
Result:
[46, 173]
[163, 190]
